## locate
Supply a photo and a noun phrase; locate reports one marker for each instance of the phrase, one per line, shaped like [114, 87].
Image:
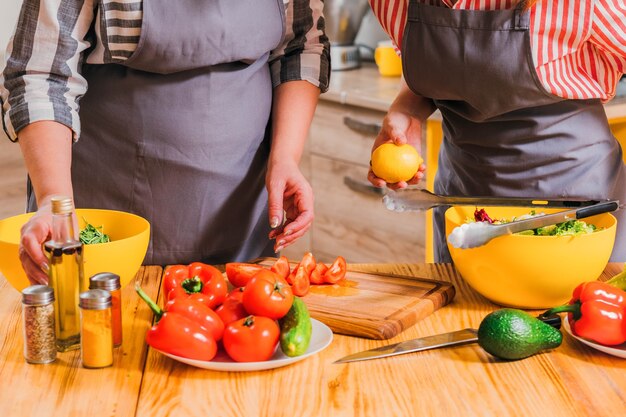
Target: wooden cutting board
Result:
[374, 306]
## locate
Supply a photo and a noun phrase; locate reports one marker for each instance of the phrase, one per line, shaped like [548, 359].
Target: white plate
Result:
[618, 350]
[321, 336]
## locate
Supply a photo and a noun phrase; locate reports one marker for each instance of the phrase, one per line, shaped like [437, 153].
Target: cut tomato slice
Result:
[239, 273]
[281, 267]
[317, 276]
[336, 272]
[301, 283]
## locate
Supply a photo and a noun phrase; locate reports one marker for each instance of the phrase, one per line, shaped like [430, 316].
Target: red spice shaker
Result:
[110, 282]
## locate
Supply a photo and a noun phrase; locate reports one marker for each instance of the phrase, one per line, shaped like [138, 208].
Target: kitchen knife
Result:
[419, 199]
[456, 338]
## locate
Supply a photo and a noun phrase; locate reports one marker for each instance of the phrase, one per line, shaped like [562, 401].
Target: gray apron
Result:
[504, 134]
[178, 133]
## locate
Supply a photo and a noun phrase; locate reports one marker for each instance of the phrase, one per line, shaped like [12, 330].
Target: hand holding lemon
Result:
[394, 163]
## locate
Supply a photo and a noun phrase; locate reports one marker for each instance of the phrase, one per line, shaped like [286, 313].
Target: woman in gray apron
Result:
[180, 133]
[504, 134]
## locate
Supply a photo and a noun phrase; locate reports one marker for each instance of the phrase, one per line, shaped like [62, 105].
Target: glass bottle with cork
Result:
[65, 255]
[96, 333]
[110, 282]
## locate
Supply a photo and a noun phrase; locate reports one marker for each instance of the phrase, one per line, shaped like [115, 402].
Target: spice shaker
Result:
[38, 321]
[96, 333]
[110, 282]
[65, 255]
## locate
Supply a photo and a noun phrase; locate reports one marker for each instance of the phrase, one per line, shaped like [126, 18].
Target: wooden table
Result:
[573, 380]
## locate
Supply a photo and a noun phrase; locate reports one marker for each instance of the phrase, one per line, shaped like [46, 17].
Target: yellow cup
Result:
[388, 61]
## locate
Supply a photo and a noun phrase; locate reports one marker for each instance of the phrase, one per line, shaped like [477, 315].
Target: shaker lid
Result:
[105, 281]
[37, 294]
[95, 299]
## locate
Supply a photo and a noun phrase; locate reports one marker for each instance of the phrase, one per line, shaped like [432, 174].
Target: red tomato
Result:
[301, 283]
[268, 295]
[198, 312]
[239, 273]
[251, 339]
[317, 276]
[281, 267]
[336, 272]
[232, 308]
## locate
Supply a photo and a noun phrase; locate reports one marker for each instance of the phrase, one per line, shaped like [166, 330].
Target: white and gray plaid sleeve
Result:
[305, 51]
[40, 79]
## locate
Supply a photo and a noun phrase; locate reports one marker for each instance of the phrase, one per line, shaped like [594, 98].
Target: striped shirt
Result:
[42, 78]
[578, 46]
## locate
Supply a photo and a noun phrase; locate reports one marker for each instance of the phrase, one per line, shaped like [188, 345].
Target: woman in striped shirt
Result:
[520, 86]
[173, 123]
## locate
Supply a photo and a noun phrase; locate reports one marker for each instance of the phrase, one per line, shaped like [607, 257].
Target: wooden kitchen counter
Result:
[573, 380]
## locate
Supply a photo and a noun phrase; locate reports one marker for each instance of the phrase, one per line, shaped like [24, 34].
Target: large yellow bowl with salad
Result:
[128, 233]
[532, 271]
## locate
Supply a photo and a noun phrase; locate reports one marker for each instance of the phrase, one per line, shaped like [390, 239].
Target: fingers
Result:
[282, 241]
[275, 205]
[33, 234]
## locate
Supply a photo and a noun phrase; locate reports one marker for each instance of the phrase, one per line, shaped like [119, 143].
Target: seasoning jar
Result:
[110, 282]
[38, 320]
[96, 333]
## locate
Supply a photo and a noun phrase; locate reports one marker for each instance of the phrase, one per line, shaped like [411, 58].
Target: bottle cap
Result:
[61, 204]
[94, 300]
[37, 295]
[105, 281]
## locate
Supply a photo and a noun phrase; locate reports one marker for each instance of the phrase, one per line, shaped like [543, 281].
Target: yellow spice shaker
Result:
[96, 329]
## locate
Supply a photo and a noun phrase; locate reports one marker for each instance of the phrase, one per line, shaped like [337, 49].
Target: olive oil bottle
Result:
[65, 254]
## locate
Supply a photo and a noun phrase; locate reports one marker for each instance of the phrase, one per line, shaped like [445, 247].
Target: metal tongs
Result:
[471, 235]
[414, 199]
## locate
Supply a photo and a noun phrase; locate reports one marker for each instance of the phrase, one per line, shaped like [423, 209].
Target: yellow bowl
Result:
[123, 256]
[531, 272]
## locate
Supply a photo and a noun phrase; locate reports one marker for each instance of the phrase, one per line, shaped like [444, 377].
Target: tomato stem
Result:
[249, 321]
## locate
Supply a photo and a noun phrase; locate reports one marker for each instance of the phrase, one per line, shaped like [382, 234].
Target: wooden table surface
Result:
[573, 380]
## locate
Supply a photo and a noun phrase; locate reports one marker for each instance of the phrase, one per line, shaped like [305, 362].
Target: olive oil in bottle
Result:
[65, 254]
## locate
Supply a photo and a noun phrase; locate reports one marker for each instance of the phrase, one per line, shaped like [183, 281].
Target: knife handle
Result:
[554, 320]
[597, 209]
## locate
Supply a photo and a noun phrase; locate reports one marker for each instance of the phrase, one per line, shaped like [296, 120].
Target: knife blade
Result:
[459, 337]
[456, 338]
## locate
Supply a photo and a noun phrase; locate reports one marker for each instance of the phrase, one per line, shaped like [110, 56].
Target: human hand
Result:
[34, 233]
[400, 128]
[290, 203]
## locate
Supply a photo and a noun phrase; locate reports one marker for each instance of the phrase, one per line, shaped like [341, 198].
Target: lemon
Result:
[395, 163]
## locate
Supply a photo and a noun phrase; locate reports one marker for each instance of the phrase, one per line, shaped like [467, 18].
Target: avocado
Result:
[514, 334]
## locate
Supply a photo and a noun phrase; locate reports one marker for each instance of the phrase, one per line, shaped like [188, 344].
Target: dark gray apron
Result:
[504, 134]
[178, 133]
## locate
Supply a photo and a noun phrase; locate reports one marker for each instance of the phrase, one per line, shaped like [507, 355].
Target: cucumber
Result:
[295, 329]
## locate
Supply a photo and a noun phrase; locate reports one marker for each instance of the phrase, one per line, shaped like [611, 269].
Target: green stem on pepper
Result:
[573, 308]
[158, 312]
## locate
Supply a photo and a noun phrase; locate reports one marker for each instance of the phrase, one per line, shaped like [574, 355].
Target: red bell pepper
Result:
[196, 280]
[597, 311]
[181, 336]
[189, 307]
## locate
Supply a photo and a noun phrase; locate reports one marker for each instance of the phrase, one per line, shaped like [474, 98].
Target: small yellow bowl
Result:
[123, 256]
[531, 272]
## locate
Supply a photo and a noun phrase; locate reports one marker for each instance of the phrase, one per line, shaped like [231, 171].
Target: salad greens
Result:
[91, 234]
[567, 228]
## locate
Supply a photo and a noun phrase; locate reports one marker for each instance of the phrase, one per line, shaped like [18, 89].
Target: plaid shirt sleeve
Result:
[40, 80]
[305, 51]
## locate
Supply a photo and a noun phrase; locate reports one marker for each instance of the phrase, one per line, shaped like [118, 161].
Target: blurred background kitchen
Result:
[350, 218]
